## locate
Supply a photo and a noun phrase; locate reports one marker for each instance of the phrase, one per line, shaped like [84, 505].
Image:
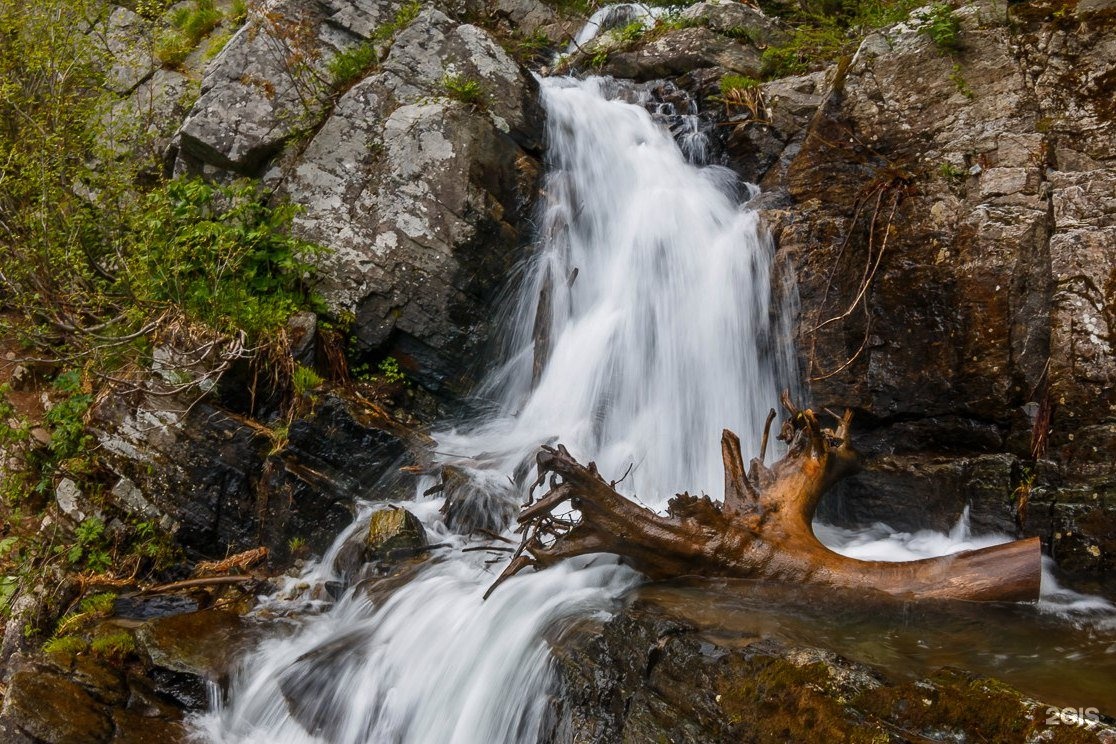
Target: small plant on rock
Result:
[943, 27]
[462, 88]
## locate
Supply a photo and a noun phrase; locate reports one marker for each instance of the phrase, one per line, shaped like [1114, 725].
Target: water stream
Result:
[660, 333]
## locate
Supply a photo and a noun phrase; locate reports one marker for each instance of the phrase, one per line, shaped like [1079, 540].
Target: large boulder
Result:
[422, 191]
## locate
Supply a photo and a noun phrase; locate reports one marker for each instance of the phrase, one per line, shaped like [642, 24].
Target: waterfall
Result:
[641, 330]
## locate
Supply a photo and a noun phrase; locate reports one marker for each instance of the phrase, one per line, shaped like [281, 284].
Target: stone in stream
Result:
[394, 534]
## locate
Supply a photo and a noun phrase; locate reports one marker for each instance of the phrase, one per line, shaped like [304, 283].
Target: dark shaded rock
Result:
[132, 728]
[221, 489]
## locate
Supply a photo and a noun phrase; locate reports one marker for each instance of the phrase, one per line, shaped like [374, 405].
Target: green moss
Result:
[775, 700]
[113, 645]
[975, 708]
[66, 645]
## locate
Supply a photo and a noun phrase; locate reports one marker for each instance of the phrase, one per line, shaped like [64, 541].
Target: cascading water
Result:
[654, 288]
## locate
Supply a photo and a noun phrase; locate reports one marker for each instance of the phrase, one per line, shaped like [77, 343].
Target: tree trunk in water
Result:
[762, 530]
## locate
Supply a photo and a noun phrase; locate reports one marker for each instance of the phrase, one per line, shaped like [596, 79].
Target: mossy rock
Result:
[394, 534]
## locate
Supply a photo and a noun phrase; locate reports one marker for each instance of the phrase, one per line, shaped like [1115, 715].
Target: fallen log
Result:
[761, 530]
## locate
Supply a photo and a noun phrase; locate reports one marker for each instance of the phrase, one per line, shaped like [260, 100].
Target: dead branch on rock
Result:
[761, 530]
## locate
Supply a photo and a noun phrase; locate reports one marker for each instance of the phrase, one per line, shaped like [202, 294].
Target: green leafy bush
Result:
[220, 254]
[943, 27]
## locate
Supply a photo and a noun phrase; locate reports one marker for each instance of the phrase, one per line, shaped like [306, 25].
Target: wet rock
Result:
[49, 707]
[759, 139]
[645, 676]
[679, 52]
[393, 534]
[217, 483]
[475, 501]
[985, 170]
[186, 652]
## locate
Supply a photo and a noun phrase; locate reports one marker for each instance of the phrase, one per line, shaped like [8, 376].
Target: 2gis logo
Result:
[1086, 717]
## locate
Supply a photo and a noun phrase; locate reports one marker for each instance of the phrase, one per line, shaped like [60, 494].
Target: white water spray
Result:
[657, 334]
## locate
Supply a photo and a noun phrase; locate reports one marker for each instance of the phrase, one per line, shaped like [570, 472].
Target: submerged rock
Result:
[647, 676]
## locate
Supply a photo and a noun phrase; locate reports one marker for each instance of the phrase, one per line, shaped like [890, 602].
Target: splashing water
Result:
[653, 332]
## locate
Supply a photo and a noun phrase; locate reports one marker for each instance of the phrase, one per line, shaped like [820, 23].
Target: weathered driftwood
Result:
[761, 530]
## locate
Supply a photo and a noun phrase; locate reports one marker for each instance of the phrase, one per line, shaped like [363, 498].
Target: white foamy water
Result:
[882, 543]
[659, 334]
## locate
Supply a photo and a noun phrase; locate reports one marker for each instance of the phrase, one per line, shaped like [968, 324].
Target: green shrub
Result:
[390, 371]
[943, 27]
[220, 254]
[630, 32]
[732, 82]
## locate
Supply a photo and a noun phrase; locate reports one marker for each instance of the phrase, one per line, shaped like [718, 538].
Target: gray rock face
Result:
[421, 198]
[981, 183]
[124, 33]
[267, 84]
[682, 51]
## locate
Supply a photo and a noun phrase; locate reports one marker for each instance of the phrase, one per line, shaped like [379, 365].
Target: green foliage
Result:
[304, 379]
[100, 604]
[114, 645]
[951, 172]
[465, 89]
[957, 77]
[67, 645]
[630, 33]
[390, 371]
[238, 12]
[297, 546]
[732, 82]
[350, 65]
[66, 418]
[90, 547]
[219, 254]
[188, 25]
[823, 30]
[943, 26]
[217, 44]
